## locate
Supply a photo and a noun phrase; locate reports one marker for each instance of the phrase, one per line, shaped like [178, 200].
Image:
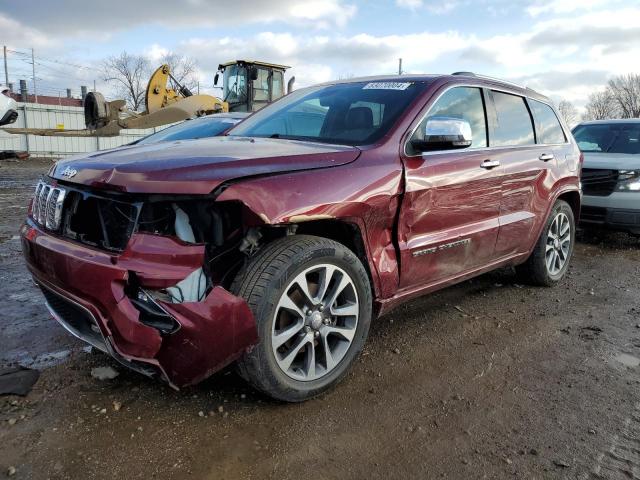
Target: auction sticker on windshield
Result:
[387, 86]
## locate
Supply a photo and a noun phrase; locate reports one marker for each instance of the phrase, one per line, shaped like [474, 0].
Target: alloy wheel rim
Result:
[315, 322]
[558, 244]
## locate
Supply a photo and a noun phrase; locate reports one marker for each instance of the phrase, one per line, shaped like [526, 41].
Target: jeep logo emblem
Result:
[68, 172]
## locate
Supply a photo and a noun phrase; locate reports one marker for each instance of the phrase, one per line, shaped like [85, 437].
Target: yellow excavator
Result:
[248, 86]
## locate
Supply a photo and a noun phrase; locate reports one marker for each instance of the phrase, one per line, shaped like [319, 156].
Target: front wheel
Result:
[312, 303]
[549, 260]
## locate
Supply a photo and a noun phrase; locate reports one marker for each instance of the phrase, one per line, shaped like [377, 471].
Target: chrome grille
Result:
[42, 209]
[35, 206]
[47, 205]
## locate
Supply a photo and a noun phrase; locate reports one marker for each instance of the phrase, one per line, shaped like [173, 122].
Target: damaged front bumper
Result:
[88, 292]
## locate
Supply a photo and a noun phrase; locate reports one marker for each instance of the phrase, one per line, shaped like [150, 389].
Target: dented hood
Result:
[196, 166]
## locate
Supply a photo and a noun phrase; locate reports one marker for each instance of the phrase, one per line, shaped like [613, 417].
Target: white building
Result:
[38, 115]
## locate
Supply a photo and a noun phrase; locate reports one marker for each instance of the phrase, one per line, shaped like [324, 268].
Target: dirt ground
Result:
[487, 379]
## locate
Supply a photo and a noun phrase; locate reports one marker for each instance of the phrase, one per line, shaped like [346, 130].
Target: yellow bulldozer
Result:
[247, 86]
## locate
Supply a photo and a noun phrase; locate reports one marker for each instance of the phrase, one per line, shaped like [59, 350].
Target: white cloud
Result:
[565, 6]
[567, 60]
[437, 7]
[155, 53]
[323, 12]
[340, 56]
[75, 17]
[18, 35]
[569, 47]
[442, 7]
[410, 4]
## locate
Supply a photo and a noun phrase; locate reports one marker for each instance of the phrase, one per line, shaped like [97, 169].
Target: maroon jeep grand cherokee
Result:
[274, 247]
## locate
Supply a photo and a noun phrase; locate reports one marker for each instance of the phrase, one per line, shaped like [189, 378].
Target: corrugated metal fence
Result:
[33, 115]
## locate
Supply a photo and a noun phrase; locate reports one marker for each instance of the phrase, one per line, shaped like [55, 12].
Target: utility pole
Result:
[6, 70]
[94, 85]
[33, 64]
[399, 66]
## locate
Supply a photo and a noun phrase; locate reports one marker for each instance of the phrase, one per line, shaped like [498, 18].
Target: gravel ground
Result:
[487, 379]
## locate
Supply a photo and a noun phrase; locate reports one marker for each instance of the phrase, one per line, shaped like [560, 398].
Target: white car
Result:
[8, 107]
[610, 174]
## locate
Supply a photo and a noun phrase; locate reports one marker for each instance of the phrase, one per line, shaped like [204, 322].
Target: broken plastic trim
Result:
[194, 286]
[152, 314]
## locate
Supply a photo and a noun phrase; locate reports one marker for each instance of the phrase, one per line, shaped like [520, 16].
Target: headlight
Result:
[628, 181]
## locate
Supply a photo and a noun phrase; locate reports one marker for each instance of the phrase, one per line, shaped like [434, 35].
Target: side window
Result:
[513, 123]
[261, 86]
[277, 85]
[547, 124]
[464, 103]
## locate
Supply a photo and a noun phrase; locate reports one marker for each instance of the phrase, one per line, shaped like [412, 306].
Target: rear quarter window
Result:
[547, 123]
[513, 126]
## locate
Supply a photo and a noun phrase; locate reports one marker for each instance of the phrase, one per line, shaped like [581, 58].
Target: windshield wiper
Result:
[304, 138]
[295, 137]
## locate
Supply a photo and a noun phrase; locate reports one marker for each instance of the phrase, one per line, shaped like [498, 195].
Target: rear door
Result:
[449, 216]
[526, 166]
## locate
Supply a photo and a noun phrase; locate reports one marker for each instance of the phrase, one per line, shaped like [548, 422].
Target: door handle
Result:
[489, 164]
[545, 157]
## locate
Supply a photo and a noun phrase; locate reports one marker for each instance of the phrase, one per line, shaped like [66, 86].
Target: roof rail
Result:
[486, 77]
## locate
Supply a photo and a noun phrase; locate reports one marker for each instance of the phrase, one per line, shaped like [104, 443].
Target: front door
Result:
[449, 217]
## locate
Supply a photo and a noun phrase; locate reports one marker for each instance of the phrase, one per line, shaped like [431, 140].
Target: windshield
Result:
[348, 113]
[609, 137]
[191, 129]
[235, 84]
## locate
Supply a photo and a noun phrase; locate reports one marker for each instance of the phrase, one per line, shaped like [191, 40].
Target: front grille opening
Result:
[76, 318]
[599, 182]
[100, 222]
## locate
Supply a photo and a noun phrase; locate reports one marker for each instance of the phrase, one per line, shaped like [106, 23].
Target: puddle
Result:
[628, 360]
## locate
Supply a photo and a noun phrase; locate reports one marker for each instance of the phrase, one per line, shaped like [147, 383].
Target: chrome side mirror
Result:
[444, 133]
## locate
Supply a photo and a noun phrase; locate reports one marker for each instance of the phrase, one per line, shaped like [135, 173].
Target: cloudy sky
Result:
[564, 48]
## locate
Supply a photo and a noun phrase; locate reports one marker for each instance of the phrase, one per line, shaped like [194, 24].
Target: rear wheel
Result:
[549, 260]
[311, 300]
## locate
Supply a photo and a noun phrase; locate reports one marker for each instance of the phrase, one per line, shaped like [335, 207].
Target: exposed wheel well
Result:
[346, 233]
[342, 232]
[573, 199]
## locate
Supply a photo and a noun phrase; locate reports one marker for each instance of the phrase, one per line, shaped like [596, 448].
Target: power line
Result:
[60, 62]
[52, 72]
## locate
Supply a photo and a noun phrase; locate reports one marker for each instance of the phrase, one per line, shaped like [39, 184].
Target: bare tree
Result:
[601, 106]
[129, 73]
[184, 69]
[626, 92]
[568, 112]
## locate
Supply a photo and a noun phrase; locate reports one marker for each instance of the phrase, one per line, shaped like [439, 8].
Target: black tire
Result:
[262, 283]
[535, 270]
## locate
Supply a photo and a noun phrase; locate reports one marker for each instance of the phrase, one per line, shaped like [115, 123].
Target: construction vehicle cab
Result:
[249, 85]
